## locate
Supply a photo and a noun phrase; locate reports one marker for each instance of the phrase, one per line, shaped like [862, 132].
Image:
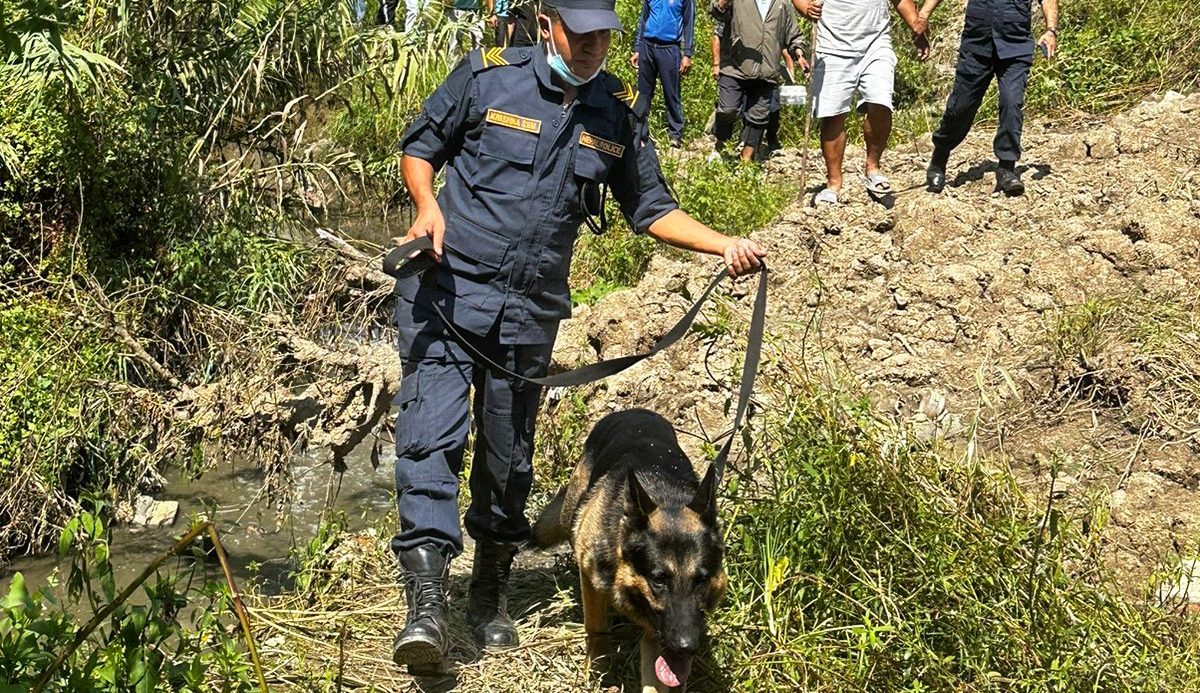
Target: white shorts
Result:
[835, 79]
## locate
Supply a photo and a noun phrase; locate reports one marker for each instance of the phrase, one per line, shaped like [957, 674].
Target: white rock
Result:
[1186, 590]
[154, 513]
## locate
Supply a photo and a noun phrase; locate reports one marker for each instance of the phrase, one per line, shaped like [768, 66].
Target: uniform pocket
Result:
[593, 165]
[508, 144]
[591, 171]
[411, 442]
[473, 250]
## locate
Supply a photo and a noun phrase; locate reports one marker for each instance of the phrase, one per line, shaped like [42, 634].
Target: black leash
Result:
[398, 264]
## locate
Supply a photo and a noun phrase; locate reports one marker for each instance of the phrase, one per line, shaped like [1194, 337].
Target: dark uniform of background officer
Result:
[527, 136]
[996, 41]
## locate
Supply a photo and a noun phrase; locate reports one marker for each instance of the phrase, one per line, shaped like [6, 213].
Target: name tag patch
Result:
[587, 139]
[513, 121]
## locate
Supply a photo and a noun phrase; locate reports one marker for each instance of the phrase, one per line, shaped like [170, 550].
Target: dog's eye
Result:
[659, 578]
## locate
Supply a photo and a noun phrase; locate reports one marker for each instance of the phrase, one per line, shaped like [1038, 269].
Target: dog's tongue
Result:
[675, 675]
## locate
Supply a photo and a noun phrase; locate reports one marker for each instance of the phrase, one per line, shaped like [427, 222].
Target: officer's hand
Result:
[716, 70]
[741, 256]
[685, 63]
[429, 222]
[1050, 41]
[921, 41]
[633, 60]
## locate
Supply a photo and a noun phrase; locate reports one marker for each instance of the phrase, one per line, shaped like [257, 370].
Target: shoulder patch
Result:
[487, 58]
[626, 93]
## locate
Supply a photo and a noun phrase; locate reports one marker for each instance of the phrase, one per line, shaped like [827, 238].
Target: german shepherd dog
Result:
[647, 541]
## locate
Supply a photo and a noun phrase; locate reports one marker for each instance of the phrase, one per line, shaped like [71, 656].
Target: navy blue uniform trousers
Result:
[660, 62]
[432, 424]
[972, 76]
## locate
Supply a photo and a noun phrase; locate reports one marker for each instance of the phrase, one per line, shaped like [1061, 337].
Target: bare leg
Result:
[747, 153]
[877, 128]
[595, 621]
[833, 148]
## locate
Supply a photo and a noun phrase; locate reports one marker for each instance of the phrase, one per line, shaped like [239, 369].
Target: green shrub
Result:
[55, 426]
[239, 270]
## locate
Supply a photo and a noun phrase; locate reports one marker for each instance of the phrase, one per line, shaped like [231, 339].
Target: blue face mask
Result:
[559, 66]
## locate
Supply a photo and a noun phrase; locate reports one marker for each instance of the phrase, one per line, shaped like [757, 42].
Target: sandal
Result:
[877, 183]
[827, 196]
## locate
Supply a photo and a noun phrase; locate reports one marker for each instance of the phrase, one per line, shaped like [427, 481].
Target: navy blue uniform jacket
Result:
[516, 163]
[1002, 25]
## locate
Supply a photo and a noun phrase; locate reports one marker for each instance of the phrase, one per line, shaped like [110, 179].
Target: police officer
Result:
[527, 137]
[996, 41]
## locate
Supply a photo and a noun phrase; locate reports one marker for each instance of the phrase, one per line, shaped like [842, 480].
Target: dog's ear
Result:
[704, 503]
[640, 502]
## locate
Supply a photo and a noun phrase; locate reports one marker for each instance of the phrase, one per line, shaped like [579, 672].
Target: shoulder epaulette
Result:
[626, 93]
[487, 58]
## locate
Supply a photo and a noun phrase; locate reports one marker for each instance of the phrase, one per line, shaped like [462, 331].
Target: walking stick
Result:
[812, 56]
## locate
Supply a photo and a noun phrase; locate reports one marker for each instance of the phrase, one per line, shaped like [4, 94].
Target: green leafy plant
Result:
[143, 647]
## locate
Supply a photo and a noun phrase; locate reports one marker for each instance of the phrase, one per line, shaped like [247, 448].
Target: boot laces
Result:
[428, 596]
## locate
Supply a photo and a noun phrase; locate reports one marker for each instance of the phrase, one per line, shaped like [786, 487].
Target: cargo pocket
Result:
[412, 441]
[473, 251]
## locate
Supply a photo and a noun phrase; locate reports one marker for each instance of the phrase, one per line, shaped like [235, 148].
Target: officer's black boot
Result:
[935, 174]
[423, 643]
[1008, 181]
[486, 603]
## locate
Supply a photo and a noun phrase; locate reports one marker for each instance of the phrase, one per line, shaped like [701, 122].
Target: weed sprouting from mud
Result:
[1133, 354]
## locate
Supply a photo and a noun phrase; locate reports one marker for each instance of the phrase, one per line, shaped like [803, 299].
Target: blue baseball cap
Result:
[584, 16]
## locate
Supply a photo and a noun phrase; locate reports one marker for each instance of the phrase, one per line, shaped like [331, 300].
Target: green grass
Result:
[859, 561]
[1133, 353]
[734, 199]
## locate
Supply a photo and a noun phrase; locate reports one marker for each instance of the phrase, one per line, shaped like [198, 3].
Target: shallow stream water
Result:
[257, 541]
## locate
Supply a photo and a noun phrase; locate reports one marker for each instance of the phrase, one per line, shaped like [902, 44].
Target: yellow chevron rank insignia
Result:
[587, 139]
[493, 57]
[627, 94]
[516, 122]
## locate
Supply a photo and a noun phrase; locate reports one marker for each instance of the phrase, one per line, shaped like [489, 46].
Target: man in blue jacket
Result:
[996, 42]
[662, 51]
[527, 138]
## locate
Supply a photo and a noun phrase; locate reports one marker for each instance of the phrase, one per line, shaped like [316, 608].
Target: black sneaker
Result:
[1008, 181]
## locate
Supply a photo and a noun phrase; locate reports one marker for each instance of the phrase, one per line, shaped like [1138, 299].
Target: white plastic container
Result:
[793, 95]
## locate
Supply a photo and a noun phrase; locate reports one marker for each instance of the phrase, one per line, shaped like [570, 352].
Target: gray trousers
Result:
[435, 411]
[749, 99]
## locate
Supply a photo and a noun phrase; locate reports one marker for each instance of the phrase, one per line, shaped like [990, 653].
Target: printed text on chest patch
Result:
[515, 122]
[587, 139]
